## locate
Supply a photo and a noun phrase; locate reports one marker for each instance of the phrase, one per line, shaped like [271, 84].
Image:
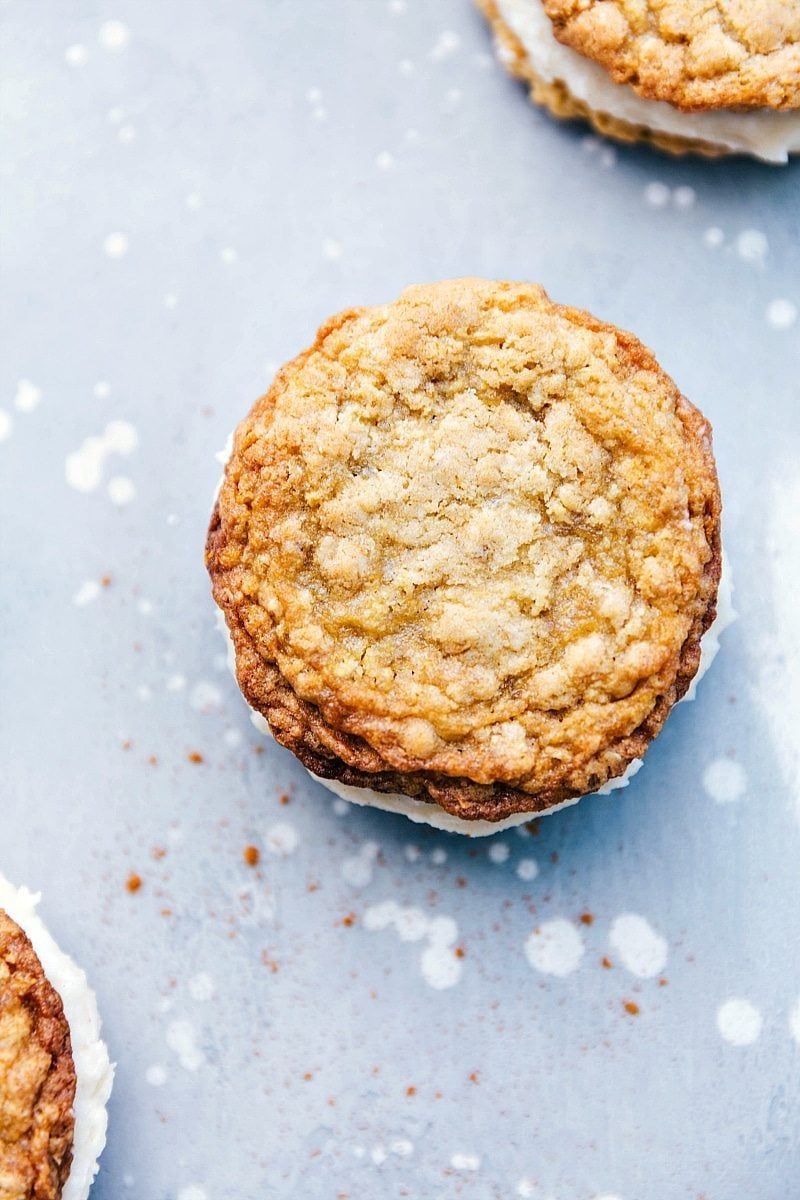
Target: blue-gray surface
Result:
[270, 162]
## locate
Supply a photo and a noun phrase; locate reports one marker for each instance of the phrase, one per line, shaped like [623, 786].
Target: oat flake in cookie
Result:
[709, 76]
[467, 547]
[55, 1076]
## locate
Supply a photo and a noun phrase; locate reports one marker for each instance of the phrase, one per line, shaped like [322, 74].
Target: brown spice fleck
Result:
[284, 799]
[251, 855]
[606, 962]
[194, 756]
[153, 760]
[631, 1008]
[349, 920]
[158, 852]
[411, 1091]
[105, 581]
[473, 1077]
[134, 882]
[459, 951]
[126, 745]
[663, 982]
[308, 1075]
[587, 918]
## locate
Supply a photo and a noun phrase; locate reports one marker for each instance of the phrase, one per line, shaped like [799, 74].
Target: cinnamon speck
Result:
[473, 1077]
[349, 920]
[663, 982]
[606, 962]
[268, 962]
[459, 952]
[461, 881]
[251, 856]
[153, 760]
[194, 756]
[105, 581]
[309, 1075]
[411, 1091]
[631, 1008]
[554, 857]
[133, 882]
[126, 745]
[284, 799]
[587, 918]
[158, 852]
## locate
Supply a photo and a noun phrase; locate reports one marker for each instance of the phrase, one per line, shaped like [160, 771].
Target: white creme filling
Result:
[764, 133]
[93, 1069]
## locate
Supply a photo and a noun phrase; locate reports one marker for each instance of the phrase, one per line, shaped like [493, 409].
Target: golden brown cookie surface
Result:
[37, 1075]
[466, 546]
[694, 54]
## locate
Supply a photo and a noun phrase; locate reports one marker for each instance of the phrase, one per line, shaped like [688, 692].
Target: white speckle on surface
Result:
[144, 608]
[116, 245]
[446, 44]
[193, 1192]
[526, 1189]
[452, 100]
[781, 314]
[121, 490]
[412, 853]
[205, 697]
[102, 390]
[126, 134]
[397, 6]
[642, 951]
[86, 593]
[384, 161]
[116, 116]
[438, 856]
[724, 780]
[752, 245]
[6, 425]
[76, 56]
[201, 986]
[144, 693]
[465, 1162]
[555, 948]
[378, 1155]
[739, 1022]
[498, 852]
[176, 683]
[684, 197]
[357, 870]
[402, 1147]
[713, 237]
[314, 95]
[331, 249]
[84, 467]
[27, 396]
[281, 839]
[194, 201]
[406, 66]
[440, 965]
[232, 737]
[608, 157]
[359, 1151]
[228, 255]
[113, 35]
[527, 869]
[657, 194]
[340, 807]
[182, 1041]
[170, 300]
[156, 1075]
[794, 1022]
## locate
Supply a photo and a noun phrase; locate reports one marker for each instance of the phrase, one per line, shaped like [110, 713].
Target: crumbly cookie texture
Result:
[556, 97]
[467, 546]
[37, 1075]
[694, 54]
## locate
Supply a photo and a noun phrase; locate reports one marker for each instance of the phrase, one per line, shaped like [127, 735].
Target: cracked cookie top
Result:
[475, 529]
[695, 54]
[37, 1075]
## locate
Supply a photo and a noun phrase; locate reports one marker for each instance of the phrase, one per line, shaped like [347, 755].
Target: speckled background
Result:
[188, 189]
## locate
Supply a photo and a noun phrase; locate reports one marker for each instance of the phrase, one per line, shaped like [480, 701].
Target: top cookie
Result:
[477, 534]
[37, 1075]
[695, 54]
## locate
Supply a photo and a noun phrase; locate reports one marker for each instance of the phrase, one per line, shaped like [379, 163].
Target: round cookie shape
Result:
[467, 546]
[37, 1075]
[693, 54]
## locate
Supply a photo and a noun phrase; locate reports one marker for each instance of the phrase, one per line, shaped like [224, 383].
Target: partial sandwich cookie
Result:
[687, 76]
[467, 547]
[55, 1075]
